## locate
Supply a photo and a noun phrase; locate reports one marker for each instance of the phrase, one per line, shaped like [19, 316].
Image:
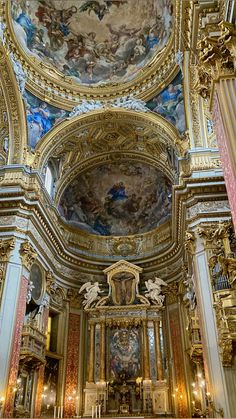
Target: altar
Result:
[126, 366]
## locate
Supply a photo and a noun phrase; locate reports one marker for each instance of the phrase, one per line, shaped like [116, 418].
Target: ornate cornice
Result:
[72, 253]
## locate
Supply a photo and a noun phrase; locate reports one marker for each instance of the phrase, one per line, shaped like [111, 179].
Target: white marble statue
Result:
[130, 102]
[179, 58]
[91, 294]
[29, 291]
[190, 296]
[19, 73]
[2, 33]
[44, 304]
[85, 107]
[154, 290]
[126, 102]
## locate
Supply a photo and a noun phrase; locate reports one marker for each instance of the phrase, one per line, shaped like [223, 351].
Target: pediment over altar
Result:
[123, 281]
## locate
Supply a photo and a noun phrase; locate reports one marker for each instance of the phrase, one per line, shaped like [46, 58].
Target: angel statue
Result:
[154, 290]
[91, 294]
[29, 291]
[190, 296]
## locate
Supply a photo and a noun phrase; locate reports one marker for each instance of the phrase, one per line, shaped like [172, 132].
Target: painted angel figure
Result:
[154, 290]
[91, 294]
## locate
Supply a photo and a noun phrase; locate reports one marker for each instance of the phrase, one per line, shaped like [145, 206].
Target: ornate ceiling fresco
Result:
[118, 199]
[41, 117]
[170, 104]
[93, 49]
[94, 41]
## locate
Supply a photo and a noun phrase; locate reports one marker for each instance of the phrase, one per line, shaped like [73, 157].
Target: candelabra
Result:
[203, 405]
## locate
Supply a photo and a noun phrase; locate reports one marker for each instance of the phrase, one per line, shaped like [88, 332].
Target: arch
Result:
[53, 142]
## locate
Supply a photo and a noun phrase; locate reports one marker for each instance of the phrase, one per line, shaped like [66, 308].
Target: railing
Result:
[32, 344]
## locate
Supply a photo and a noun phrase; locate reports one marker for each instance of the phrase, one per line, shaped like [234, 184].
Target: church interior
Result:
[116, 301]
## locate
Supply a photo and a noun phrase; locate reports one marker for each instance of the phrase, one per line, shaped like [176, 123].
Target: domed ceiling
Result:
[96, 42]
[118, 199]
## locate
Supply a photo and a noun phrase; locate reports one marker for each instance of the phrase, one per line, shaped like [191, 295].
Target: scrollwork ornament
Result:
[226, 347]
[28, 255]
[189, 242]
[50, 283]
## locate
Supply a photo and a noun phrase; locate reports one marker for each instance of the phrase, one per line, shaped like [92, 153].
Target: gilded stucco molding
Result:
[72, 132]
[28, 255]
[4, 129]
[15, 108]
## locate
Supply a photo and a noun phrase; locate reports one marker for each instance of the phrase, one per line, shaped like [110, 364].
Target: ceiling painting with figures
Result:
[94, 41]
[117, 199]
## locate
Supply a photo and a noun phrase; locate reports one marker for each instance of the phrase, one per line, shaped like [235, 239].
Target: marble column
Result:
[146, 361]
[11, 323]
[103, 352]
[91, 354]
[159, 364]
[224, 117]
[216, 384]
[72, 364]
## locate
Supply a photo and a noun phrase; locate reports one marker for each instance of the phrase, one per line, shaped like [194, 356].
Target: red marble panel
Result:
[38, 400]
[15, 351]
[222, 140]
[72, 365]
[178, 358]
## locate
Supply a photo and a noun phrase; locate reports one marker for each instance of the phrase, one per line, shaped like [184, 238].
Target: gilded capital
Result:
[217, 57]
[5, 248]
[28, 255]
